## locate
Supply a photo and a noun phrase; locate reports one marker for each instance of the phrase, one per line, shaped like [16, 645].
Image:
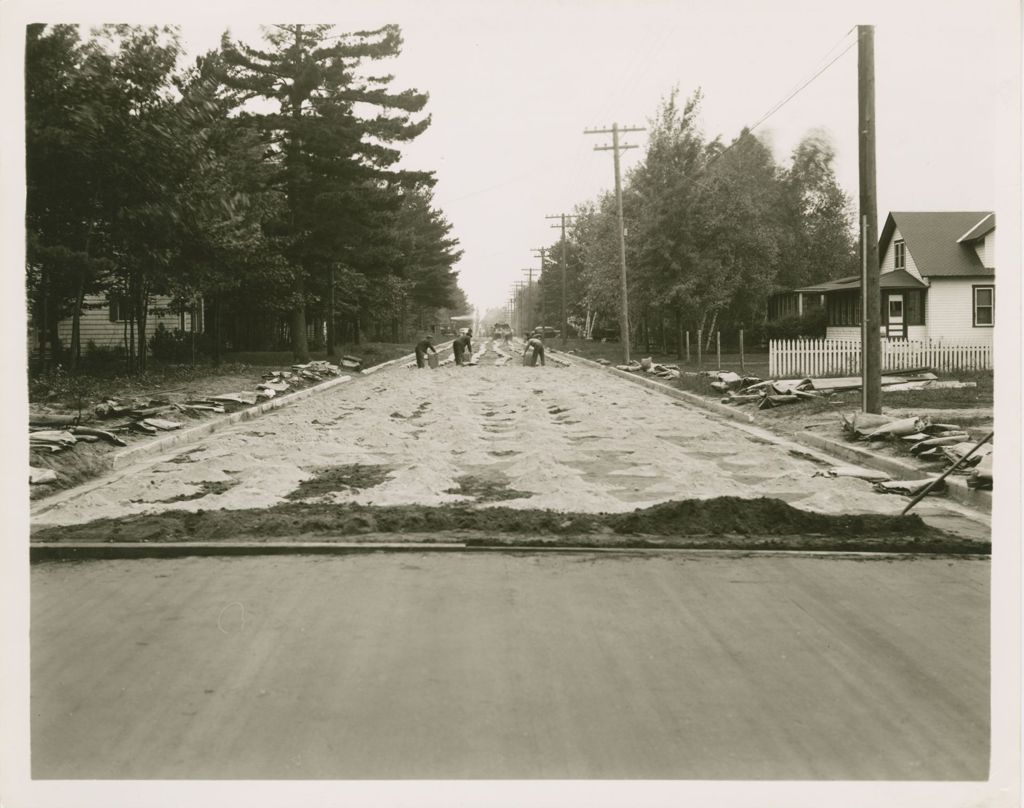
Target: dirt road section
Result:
[488, 435]
[503, 665]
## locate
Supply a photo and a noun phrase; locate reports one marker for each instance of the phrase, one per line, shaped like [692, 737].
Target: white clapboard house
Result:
[937, 281]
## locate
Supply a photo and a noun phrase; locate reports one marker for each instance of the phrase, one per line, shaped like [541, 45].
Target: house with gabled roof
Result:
[937, 280]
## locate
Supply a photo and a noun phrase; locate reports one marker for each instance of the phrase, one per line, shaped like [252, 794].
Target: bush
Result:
[811, 325]
[175, 347]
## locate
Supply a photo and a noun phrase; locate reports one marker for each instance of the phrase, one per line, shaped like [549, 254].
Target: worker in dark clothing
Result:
[424, 345]
[461, 345]
[534, 349]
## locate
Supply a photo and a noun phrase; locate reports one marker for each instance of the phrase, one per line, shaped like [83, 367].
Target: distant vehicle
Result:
[546, 332]
[501, 329]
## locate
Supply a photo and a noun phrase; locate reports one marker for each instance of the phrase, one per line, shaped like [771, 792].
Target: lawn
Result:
[756, 364]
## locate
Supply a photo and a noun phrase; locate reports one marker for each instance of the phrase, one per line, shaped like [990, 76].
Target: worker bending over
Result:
[424, 345]
[534, 349]
[461, 345]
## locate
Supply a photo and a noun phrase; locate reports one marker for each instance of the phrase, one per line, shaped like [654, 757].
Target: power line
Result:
[785, 100]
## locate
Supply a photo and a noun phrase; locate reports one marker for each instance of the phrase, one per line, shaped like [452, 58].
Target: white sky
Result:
[513, 85]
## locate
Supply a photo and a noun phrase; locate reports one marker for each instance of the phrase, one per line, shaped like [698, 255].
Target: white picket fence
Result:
[827, 357]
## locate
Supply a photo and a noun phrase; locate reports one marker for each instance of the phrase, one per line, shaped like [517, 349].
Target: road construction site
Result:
[530, 572]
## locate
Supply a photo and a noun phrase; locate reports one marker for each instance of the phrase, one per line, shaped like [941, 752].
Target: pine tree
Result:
[334, 167]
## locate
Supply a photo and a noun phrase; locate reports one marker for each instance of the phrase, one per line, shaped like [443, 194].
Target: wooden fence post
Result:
[718, 348]
[700, 348]
[742, 369]
[687, 346]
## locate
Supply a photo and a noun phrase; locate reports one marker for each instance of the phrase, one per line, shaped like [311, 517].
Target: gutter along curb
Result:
[956, 489]
[188, 435]
[683, 395]
[132, 457]
[128, 460]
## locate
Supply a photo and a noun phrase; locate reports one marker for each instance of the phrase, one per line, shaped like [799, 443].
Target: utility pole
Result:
[529, 298]
[615, 148]
[871, 348]
[565, 319]
[523, 307]
[542, 252]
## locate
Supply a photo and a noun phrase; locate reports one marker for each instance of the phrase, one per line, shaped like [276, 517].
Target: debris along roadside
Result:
[937, 447]
[741, 390]
[120, 422]
[645, 365]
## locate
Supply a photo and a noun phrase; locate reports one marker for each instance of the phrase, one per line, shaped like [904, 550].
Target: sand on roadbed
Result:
[522, 440]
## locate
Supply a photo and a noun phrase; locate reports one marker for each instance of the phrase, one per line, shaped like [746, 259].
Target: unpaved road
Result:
[501, 665]
[565, 438]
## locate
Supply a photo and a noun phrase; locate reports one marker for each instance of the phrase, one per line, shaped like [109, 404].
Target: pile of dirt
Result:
[723, 516]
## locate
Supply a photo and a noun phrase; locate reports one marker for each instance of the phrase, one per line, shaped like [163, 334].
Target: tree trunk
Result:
[217, 317]
[300, 346]
[331, 335]
[710, 331]
[142, 313]
[679, 334]
[76, 326]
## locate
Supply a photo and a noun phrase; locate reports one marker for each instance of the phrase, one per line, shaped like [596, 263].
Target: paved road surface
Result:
[463, 665]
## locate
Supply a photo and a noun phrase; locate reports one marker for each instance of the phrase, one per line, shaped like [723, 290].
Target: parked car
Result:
[546, 332]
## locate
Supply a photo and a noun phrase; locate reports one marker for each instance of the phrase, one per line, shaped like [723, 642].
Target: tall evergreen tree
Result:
[334, 167]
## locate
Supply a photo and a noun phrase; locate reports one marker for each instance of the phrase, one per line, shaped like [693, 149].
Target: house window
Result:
[844, 309]
[899, 255]
[984, 306]
[914, 309]
[118, 308]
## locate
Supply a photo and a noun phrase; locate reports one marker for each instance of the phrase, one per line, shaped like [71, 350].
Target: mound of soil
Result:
[723, 516]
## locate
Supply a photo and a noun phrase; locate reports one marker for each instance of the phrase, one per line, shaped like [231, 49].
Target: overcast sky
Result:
[513, 85]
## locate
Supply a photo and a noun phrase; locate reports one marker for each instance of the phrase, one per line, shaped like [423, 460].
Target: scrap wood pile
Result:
[773, 392]
[56, 432]
[944, 445]
[645, 365]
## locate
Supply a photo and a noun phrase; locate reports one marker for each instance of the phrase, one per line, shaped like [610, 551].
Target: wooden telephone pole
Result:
[565, 319]
[615, 148]
[541, 252]
[871, 348]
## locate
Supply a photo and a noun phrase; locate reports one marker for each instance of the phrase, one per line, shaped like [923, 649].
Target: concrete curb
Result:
[161, 445]
[80, 551]
[956, 488]
[401, 360]
[127, 459]
[691, 398]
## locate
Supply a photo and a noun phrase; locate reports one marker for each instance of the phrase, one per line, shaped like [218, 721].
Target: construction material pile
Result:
[57, 432]
[942, 445]
[774, 392]
[646, 365]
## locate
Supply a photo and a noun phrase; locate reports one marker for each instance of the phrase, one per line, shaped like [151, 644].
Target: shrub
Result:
[811, 325]
[175, 347]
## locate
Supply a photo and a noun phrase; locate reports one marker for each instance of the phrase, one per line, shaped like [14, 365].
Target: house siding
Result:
[951, 314]
[985, 250]
[852, 333]
[95, 325]
[889, 259]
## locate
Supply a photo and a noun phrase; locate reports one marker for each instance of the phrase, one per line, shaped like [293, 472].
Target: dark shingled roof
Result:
[898, 279]
[982, 228]
[932, 238]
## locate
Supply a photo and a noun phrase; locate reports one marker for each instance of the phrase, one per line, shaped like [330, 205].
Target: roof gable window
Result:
[899, 254]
